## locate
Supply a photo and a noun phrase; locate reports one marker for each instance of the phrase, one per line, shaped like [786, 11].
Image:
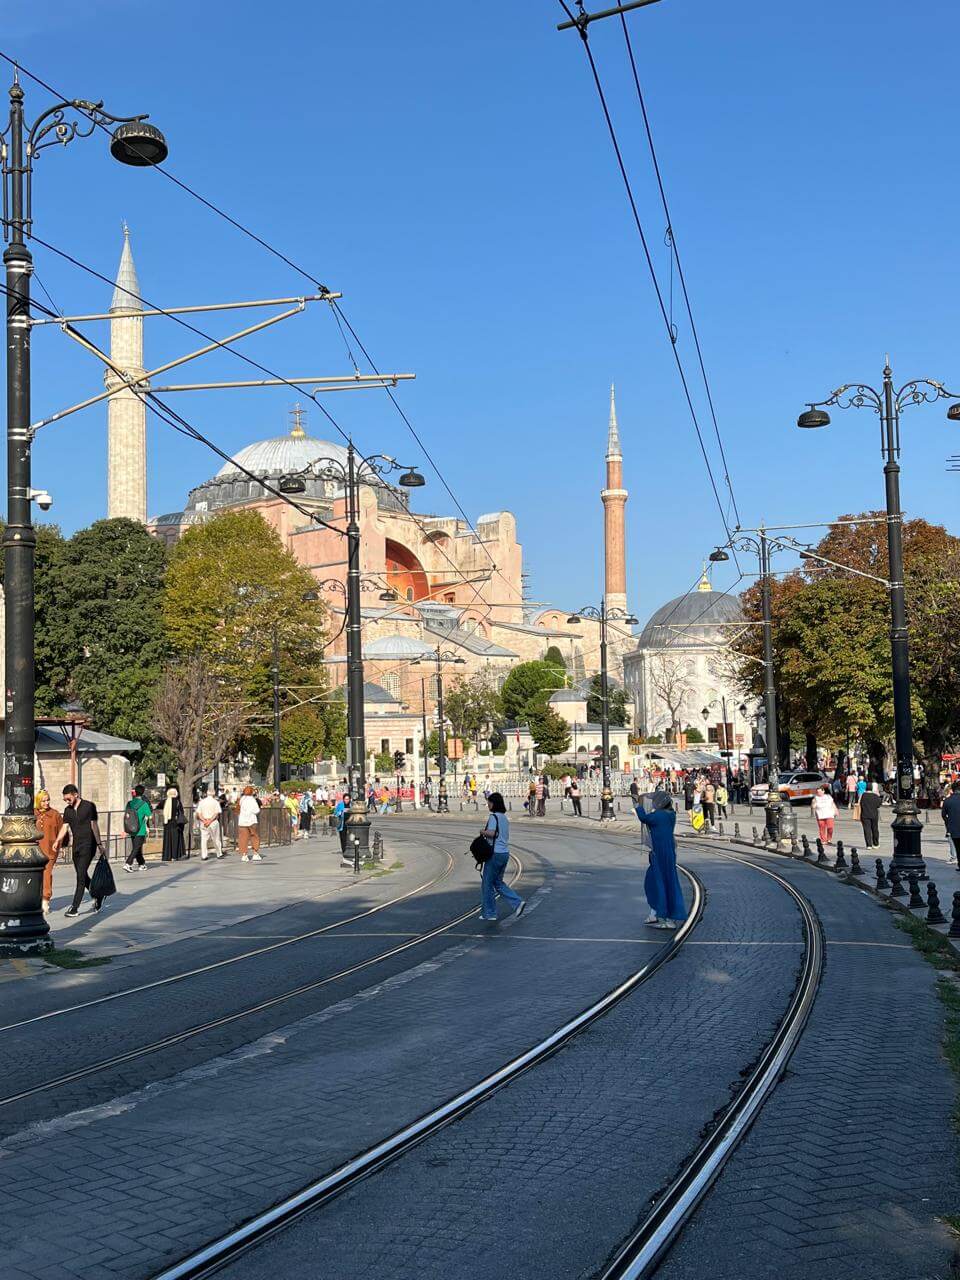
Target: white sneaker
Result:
[204, 857]
[651, 918]
[219, 855]
[520, 910]
[257, 858]
[46, 906]
[245, 858]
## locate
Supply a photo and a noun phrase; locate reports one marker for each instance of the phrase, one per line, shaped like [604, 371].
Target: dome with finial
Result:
[693, 620]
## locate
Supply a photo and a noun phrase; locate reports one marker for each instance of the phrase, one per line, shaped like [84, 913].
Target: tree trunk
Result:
[877, 754]
[811, 749]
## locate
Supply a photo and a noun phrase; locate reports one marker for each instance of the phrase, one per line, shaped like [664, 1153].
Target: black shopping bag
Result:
[103, 883]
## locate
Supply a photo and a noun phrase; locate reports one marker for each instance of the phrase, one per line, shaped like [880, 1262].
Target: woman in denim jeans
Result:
[497, 831]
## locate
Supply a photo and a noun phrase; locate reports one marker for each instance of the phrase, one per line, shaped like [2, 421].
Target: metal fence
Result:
[276, 828]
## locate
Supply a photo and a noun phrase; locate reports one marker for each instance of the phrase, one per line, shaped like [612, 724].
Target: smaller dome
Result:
[396, 646]
[691, 621]
[567, 695]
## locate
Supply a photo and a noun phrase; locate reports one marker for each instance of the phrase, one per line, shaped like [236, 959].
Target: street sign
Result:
[161, 779]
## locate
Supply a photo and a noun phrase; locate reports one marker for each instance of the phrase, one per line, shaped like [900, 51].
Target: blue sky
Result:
[446, 166]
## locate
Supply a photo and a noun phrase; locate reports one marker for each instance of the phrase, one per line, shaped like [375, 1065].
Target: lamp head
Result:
[292, 484]
[718, 556]
[631, 621]
[705, 712]
[813, 418]
[138, 144]
[574, 619]
[310, 595]
[742, 708]
[412, 479]
[953, 413]
[388, 595]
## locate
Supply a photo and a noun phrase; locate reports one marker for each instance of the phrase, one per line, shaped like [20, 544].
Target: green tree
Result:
[616, 698]
[471, 705]
[693, 734]
[550, 732]
[554, 657]
[527, 681]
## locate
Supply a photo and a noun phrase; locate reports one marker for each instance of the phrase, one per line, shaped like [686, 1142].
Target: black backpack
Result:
[131, 819]
[482, 848]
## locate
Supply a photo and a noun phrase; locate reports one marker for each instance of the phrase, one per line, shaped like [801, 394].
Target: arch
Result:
[405, 573]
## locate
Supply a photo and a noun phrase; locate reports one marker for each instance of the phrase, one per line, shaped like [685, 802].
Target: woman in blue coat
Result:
[662, 884]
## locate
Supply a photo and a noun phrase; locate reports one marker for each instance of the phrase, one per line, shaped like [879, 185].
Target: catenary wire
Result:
[628, 186]
[675, 256]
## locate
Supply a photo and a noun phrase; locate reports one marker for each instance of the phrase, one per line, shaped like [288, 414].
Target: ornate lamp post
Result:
[439, 657]
[133, 142]
[603, 615]
[350, 474]
[887, 404]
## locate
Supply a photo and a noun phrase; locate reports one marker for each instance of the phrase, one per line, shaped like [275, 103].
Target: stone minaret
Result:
[614, 523]
[126, 412]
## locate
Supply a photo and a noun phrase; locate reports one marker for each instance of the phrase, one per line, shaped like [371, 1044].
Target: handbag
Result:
[482, 848]
[102, 883]
[856, 811]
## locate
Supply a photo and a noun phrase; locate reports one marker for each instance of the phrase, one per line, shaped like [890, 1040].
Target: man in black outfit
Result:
[951, 817]
[870, 803]
[80, 819]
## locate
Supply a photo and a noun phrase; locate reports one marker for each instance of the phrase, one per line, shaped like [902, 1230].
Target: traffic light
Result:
[399, 761]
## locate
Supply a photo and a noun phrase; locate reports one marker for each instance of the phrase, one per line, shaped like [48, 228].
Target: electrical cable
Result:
[675, 255]
[653, 275]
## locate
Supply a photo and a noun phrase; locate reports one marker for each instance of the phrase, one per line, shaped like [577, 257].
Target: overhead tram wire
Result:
[338, 312]
[653, 275]
[676, 254]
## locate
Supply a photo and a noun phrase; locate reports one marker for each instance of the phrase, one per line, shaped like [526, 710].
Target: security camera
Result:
[43, 499]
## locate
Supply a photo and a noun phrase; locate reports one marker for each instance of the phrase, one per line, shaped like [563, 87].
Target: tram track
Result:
[218, 1253]
[261, 1006]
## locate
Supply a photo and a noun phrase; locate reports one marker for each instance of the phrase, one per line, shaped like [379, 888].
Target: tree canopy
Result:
[617, 703]
[527, 681]
[471, 705]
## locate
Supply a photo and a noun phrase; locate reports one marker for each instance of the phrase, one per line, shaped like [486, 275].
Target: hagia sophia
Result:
[456, 586]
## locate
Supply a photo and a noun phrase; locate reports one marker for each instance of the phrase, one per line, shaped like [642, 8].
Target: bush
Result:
[383, 764]
[556, 771]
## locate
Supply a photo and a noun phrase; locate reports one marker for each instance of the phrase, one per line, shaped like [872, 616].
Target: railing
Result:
[275, 829]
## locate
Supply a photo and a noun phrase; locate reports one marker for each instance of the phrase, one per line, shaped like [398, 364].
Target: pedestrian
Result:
[661, 883]
[688, 791]
[575, 797]
[869, 805]
[709, 803]
[292, 807]
[81, 825]
[339, 816]
[532, 798]
[208, 820]
[49, 823]
[248, 826]
[634, 792]
[950, 813]
[139, 809]
[497, 831]
[721, 799]
[306, 814]
[825, 812]
[852, 781]
[174, 820]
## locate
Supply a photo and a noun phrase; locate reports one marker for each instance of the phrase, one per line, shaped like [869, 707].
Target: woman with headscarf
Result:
[174, 820]
[662, 884]
[49, 823]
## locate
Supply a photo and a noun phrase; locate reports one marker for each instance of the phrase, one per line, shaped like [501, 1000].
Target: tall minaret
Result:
[126, 412]
[614, 524]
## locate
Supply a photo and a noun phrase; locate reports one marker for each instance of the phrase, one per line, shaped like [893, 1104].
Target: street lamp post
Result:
[350, 474]
[439, 657]
[887, 404]
[275, 675]
[133, 142]
[603, 615]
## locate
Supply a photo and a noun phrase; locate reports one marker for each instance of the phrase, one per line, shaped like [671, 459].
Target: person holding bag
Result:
[497, 834]
[661, 884]
[174, 820]
[81, 825]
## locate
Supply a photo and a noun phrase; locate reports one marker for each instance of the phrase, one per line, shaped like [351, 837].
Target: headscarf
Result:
[40, 795]
[661, 800]
[168, 804]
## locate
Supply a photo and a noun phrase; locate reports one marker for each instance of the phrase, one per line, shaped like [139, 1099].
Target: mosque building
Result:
[458, 587]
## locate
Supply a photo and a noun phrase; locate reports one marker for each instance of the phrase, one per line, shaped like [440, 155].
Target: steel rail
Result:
[639, 1256]
[219, 1252]
[212, 1024]
[246, 955]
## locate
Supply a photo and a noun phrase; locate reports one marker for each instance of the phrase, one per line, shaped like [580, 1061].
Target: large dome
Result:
[691, 621]
[282, 454]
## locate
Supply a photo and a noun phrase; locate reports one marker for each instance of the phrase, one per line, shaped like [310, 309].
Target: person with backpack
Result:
[306, 814]
[497, 833]
[135, 818]
[575, 797]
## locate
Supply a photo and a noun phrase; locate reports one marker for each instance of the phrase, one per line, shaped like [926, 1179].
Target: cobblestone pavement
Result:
[175, 1156]
[545, 1177]
[846, 1169]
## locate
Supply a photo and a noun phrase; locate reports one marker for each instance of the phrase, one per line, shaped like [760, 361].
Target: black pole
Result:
[906, 826]
[727, 745]
[774, 803]
[442, 806]
[22, 925]
[357, 823]
[275, 676]
[606, 795]
[426, 746]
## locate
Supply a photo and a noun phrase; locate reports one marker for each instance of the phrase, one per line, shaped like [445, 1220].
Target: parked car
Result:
[798, 787]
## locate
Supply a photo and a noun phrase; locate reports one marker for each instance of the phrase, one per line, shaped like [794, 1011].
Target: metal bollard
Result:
[955, 920]
[805, 845]
[756, 837]
[356, 854]
[882, 881]
[736, 831]
[794, 845]
[841, 863]
[855, 867]
[934, 914]
[720, 828]
[896, 884]
[916, 900]
[821, 855]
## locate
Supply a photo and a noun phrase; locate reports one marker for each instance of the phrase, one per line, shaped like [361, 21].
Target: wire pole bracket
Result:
[583, 20]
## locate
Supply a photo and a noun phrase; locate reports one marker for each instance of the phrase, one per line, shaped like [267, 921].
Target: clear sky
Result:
[446, 166]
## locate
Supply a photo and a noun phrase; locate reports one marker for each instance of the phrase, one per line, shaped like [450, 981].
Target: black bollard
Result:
[896, 884]
[719, 828]
[821, 855]
[794, 845]
[736, 831]
[855, 867]
[805, 843]
[756, 838]
[841, 863]
[955, 921]
[934, 914]
[916, 899]
[882, 881]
